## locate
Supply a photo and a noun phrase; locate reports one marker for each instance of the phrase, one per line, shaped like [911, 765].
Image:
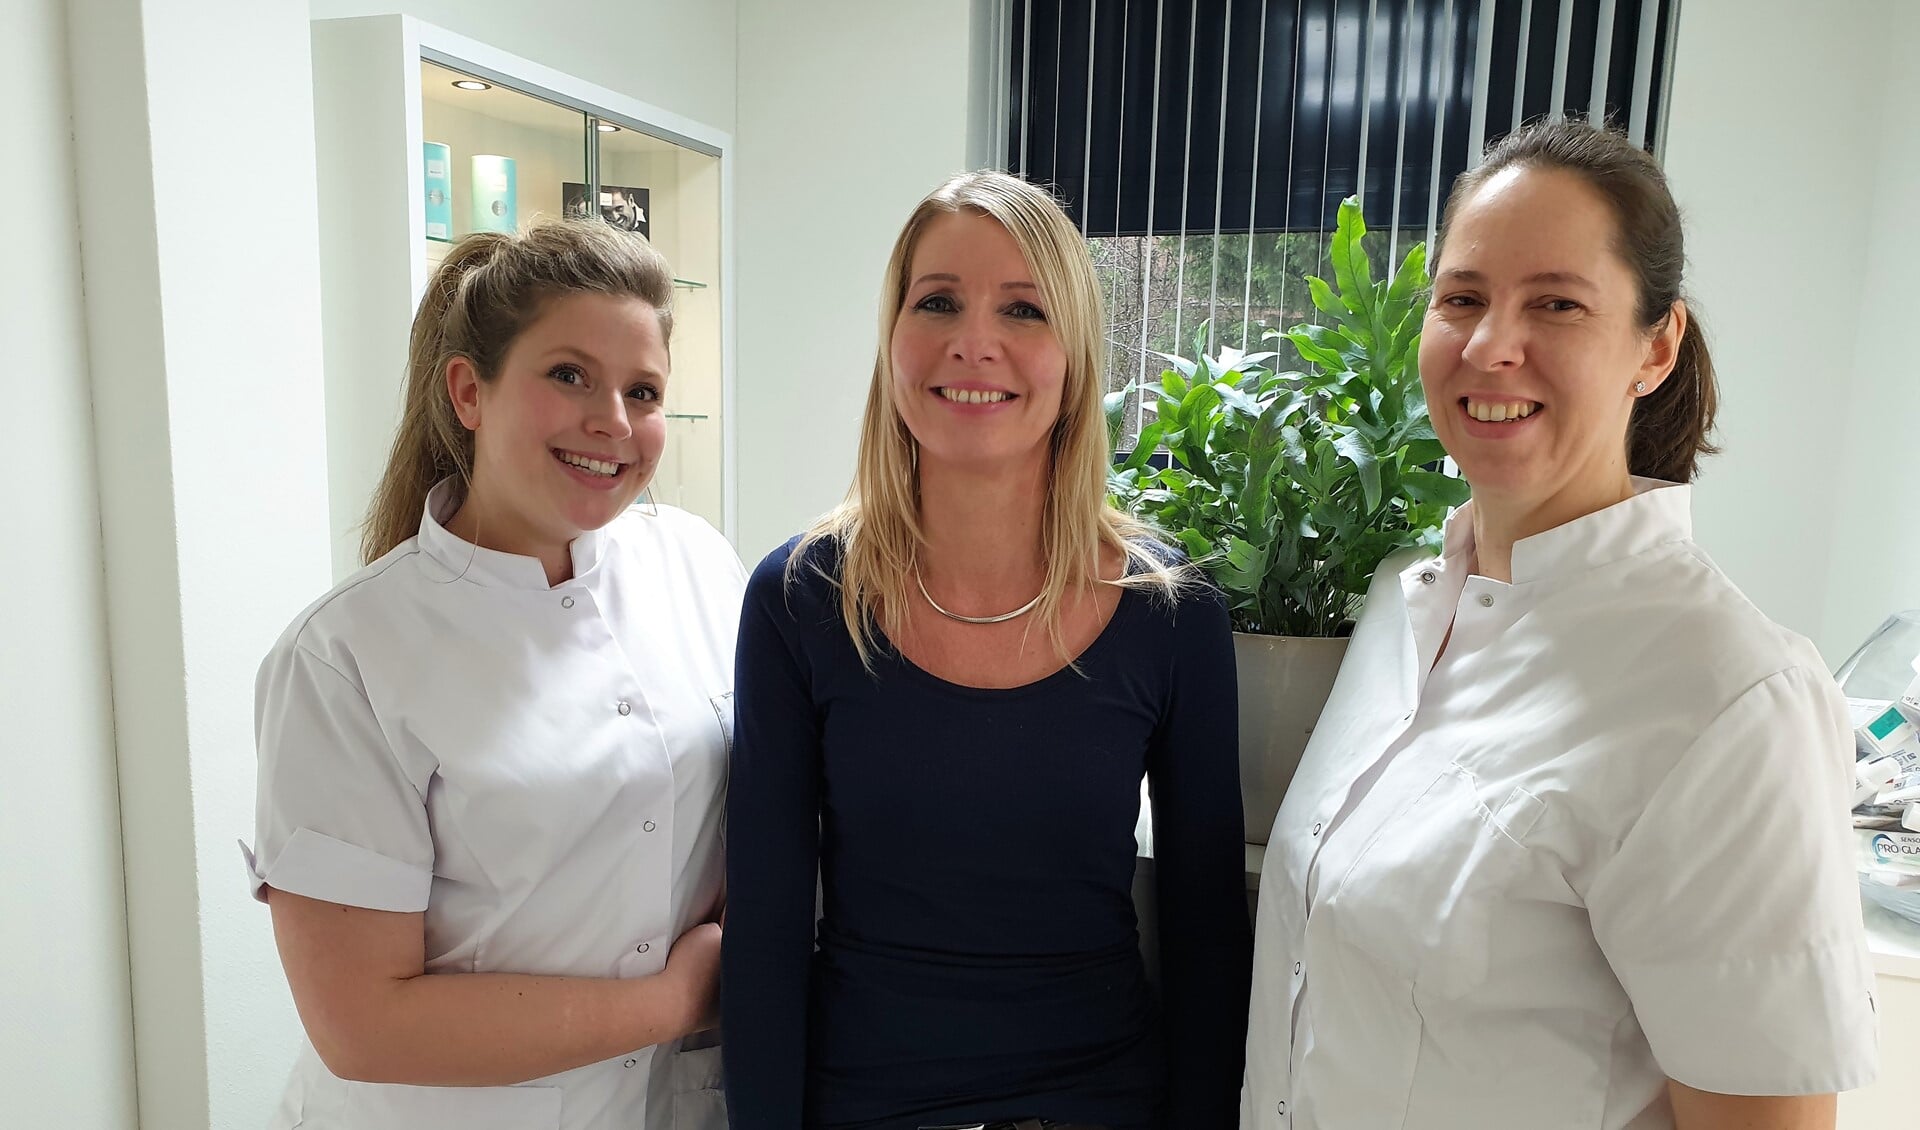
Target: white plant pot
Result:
[1284, 684]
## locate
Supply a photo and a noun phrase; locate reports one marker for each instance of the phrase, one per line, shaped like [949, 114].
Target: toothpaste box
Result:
[1910, 700]
[1878, 817]
[1885, 770]
[1904, 791]
[1888, 849]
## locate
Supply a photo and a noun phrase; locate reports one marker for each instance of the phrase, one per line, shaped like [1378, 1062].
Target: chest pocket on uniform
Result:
[1424, 897]
[699, 1102]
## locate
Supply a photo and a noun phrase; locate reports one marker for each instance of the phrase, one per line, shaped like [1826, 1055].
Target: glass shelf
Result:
[689, 284]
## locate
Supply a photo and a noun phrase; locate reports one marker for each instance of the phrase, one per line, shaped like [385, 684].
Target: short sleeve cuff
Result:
[1790, 1024]
[317, 866]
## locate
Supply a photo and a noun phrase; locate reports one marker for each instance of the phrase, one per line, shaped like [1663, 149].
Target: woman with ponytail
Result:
[492, 761]
[1568, 847]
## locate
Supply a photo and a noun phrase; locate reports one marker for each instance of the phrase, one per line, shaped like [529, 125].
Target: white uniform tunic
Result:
[541, 770]
[1603, 842]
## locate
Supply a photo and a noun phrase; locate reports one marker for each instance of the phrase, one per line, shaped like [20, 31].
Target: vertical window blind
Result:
[1204, 146]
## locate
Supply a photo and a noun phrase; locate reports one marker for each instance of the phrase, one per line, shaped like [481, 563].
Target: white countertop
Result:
[1895, 943]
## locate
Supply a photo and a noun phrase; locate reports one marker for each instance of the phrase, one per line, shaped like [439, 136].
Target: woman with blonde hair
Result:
[949, 690]
[491, 761]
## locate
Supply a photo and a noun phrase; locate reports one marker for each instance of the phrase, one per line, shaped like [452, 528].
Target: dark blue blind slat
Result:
[1655, 119]
[1276, 124]
[1543, 39]
[1426, 44]
[1391, 63]
[1169, 177]
[1626, 44]
[1583, 45]
[1505, 75]
[1459, 124]
[1109, 116]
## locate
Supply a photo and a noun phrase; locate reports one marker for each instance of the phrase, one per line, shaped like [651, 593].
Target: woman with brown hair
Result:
[1568, 847]
[949, 690]
[491, 761]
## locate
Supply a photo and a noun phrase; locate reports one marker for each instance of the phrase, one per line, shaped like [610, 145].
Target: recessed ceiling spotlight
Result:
[472, 84]
[606, 127]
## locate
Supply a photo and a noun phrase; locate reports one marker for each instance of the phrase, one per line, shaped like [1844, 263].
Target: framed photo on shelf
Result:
[623, 207]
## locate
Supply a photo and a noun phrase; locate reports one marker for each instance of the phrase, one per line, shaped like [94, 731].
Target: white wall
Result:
[849, 112]
[1879, 418]
[201, 259]
[367, 206]
[1878, 424]
[66, 1044]
[1771, 138]
[676, 55]
[1794, 150]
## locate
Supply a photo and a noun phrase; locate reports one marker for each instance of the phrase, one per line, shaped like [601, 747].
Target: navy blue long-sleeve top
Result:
[977, 956]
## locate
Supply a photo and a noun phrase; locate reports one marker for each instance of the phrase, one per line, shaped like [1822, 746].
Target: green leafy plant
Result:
[1291, 487]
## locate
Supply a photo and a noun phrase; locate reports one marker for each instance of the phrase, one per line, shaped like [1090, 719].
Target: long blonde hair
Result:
[490, 288]
[878, 527]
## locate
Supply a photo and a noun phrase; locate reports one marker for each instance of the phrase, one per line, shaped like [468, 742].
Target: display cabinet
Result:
[422, 136]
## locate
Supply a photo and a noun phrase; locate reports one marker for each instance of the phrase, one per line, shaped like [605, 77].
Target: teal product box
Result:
[1885, 734]
[438, 163]
[495, 207]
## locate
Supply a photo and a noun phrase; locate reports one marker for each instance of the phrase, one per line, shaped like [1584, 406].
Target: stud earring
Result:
[1639, 386]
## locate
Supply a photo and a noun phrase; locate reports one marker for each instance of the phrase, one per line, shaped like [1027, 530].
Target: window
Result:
[1204, 146]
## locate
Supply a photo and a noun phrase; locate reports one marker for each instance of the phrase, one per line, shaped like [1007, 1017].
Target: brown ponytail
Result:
[483, 296]
[1668, 433]
[1671, 426]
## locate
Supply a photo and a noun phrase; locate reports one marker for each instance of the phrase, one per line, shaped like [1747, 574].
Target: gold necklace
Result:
[1000, 619]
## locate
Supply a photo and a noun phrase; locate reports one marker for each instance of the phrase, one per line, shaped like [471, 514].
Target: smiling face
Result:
[571, 429]
[1533, 345]
[977, 371]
